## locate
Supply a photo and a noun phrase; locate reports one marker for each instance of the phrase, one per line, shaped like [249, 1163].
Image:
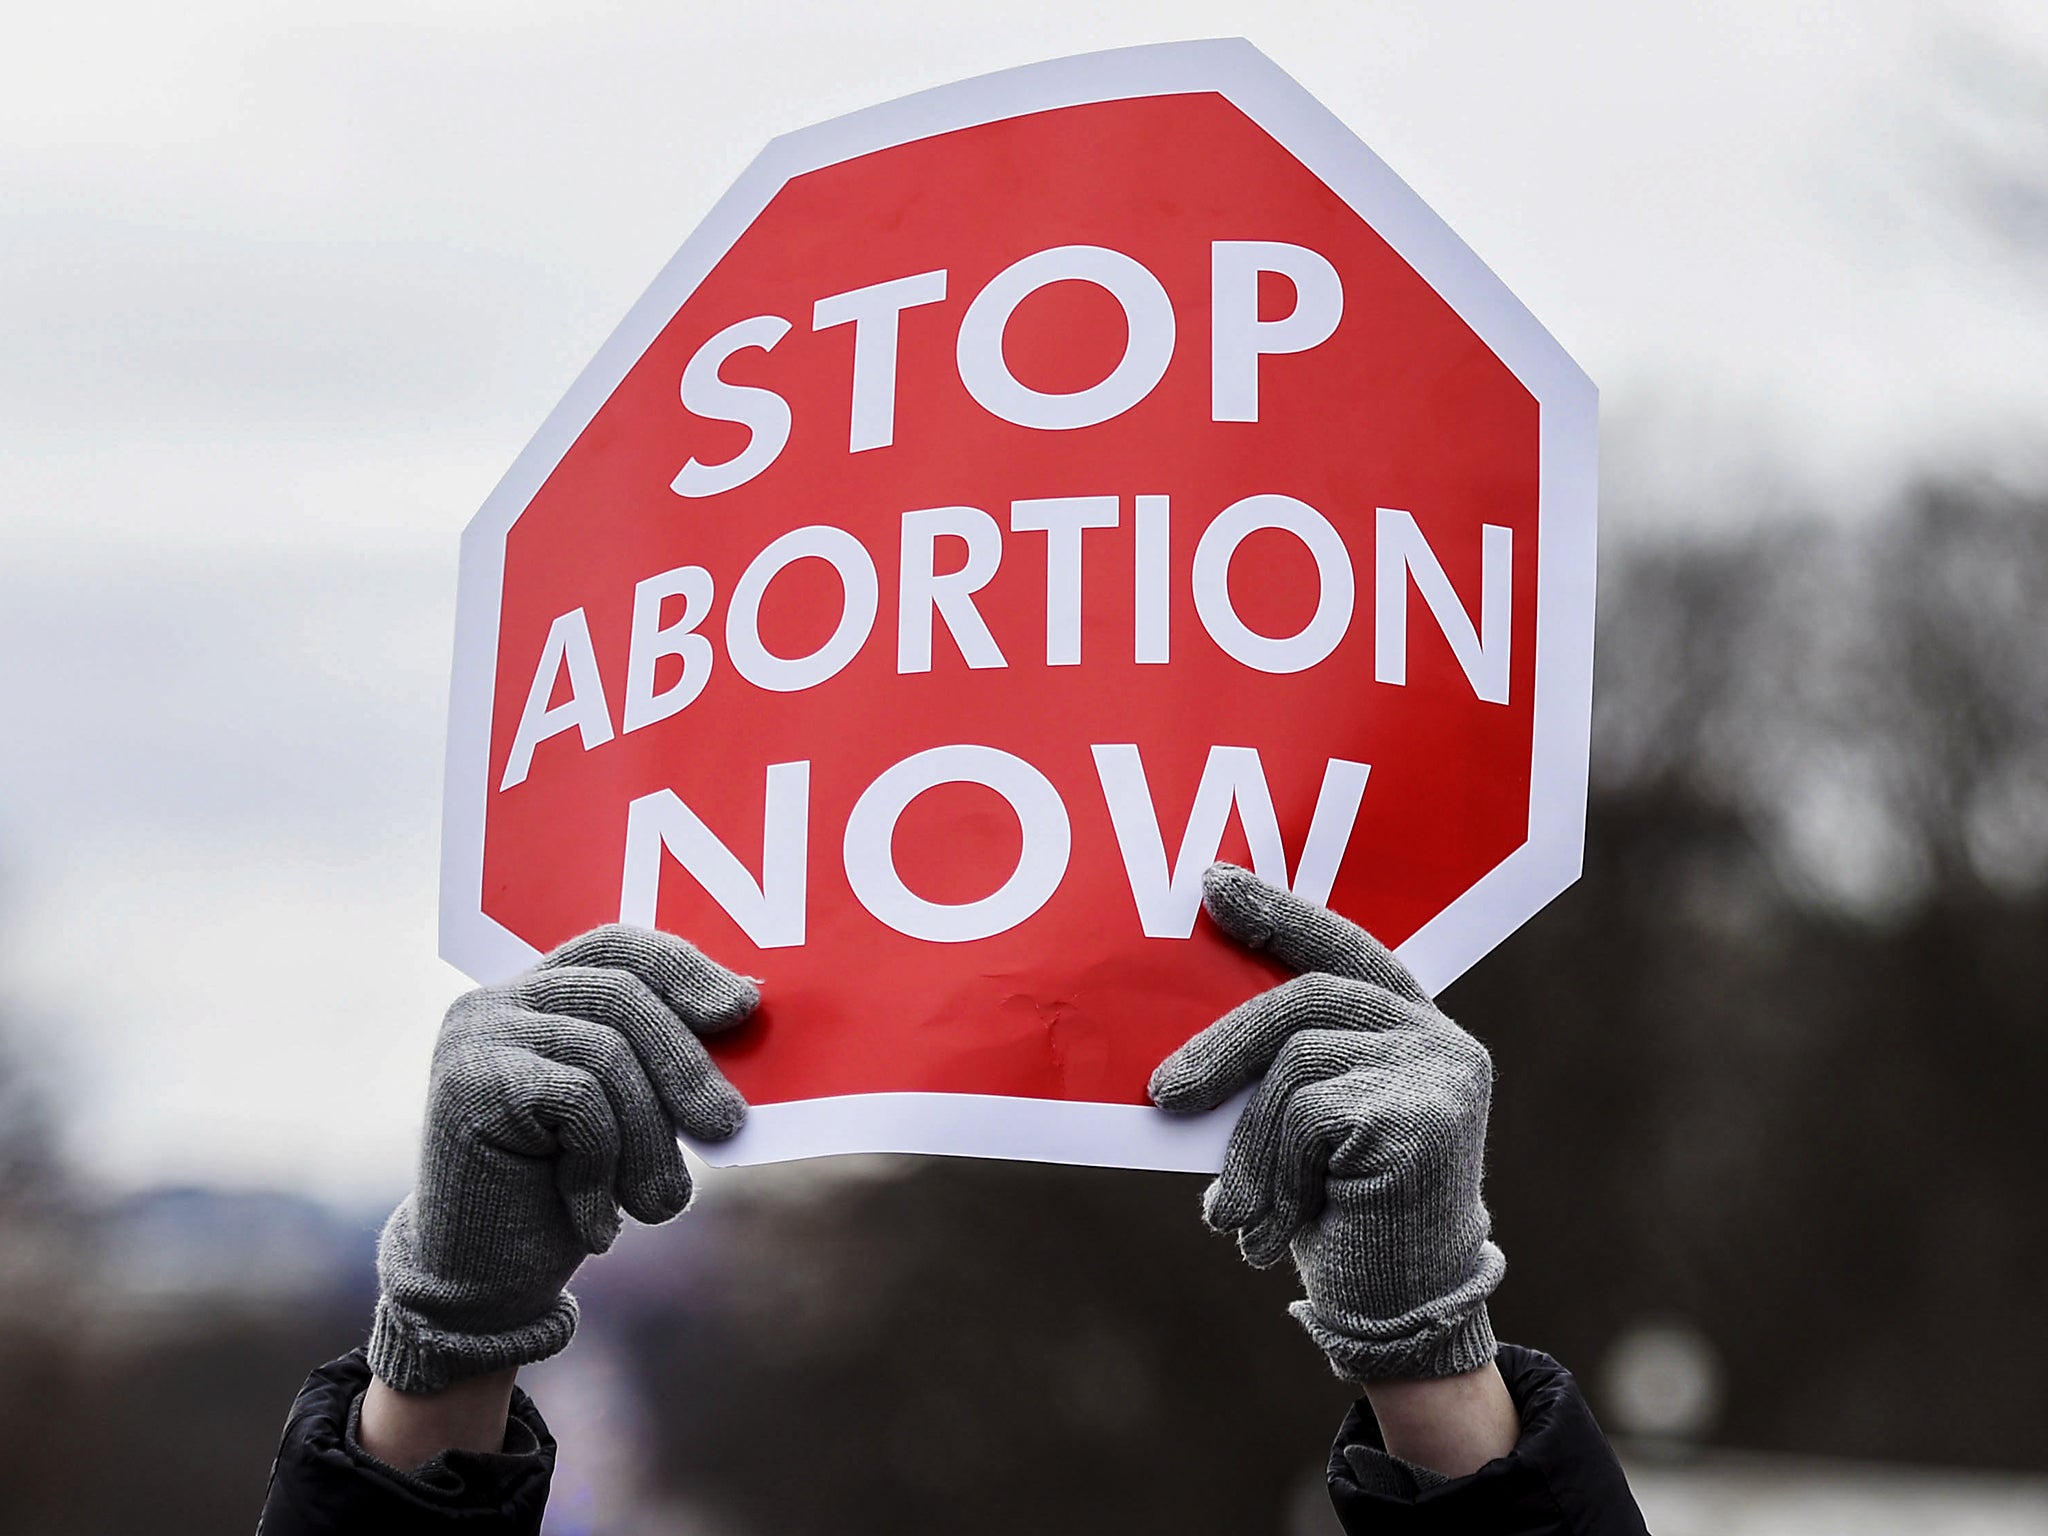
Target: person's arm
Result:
[1359, 1156]
[1452, 1425]
[1560, 1478]
[552, 1112]
[409, 1429]
[324, 1482]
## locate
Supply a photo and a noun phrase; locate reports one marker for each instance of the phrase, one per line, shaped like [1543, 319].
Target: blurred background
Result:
[284, 289]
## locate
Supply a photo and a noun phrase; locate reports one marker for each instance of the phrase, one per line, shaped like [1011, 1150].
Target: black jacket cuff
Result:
[1561, 1479]
[324, 1482]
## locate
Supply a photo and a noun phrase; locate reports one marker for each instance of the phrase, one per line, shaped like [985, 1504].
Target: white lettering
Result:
[1041, 865]
[1238, 337]
[1168, 899]
[876, 313]
[770, 912]
[1220, 539]
[921, 594]
[1148, 346]
[651, 641]
[1401, 551]
[778, 674]
[1151, 603]
[762, 412]
[568, 643]
[1061, 519]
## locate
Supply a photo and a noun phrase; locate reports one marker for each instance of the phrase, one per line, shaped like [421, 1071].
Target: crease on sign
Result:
[1049, 1018]
[1054, 1017]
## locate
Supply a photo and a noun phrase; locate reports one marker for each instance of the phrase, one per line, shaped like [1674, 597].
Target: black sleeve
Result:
[325, 1484]
[1561, 1479]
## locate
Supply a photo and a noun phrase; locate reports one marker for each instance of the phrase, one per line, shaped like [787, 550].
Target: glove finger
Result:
[571, 1111]
[694, 1092]
[1242, 1044]
[653, 1181]
[1300, 934]
[1318, 1122]
[1261, 1154]
[702, 993]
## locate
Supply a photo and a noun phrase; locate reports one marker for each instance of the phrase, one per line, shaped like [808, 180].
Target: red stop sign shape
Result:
[1009, 500]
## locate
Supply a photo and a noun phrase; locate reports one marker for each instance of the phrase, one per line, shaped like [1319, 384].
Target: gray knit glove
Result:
[1360, 1152]
[554, 1100]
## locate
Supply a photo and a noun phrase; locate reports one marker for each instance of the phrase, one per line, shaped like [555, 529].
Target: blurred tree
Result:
[997, 1346]
[123, 1411]
[1768, 1070]
[1772, 1066]
[41, 1263]
[1771, 1070]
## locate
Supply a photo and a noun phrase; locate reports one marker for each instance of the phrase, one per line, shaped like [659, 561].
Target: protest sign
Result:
[1009, 499]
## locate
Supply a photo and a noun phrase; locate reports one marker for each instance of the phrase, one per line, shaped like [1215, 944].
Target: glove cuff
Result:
[1446, 1337]
[410, 1354]
[1464, 1346]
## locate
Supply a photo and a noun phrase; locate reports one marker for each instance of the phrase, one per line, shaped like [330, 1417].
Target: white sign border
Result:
[1111, 1135]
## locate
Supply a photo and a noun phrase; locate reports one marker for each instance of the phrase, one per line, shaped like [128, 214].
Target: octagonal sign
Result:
[1010, 499]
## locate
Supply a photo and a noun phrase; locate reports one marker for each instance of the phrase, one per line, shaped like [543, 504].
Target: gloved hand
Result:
[1361, 1151]
[554, 1100]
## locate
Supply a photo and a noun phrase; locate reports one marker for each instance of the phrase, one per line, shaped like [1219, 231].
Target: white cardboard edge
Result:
[978, 1125]
[987, 1126]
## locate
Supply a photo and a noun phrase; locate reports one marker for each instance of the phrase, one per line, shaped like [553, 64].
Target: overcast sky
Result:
[283, 289]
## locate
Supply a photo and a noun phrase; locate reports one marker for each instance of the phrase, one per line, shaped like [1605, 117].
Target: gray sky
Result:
[284, 289]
